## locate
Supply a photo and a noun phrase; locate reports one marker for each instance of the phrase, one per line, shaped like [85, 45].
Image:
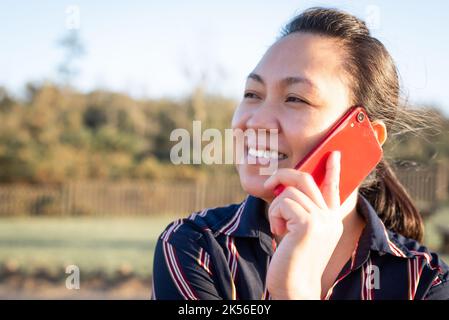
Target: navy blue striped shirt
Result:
[224, 253]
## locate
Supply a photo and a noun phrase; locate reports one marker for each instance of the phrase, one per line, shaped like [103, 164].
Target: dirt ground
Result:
[19, 287]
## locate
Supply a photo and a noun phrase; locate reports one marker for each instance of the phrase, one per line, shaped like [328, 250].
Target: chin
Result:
[252, 182]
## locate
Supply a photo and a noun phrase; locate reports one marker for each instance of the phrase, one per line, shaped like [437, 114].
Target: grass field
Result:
[90, 243]
[105, 245]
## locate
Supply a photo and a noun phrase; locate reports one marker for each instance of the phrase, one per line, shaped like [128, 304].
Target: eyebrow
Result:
[284, 82]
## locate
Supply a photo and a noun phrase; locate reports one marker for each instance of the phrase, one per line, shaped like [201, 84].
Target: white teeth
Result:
[252, 152]
[267, 154]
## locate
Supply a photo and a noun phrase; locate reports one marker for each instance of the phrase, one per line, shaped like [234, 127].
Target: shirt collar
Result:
[250, 221]
[375, 237]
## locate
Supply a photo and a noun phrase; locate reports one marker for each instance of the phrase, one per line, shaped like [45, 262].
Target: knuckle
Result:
[284, 202]
[271, 211]
[308, 225]
[285, 205]
[331, 185]
[290, 190]
[273, 216]
[305, 175]
[307, 178]
[330, 165]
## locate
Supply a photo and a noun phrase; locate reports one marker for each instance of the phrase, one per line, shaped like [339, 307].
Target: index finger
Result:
[331, 182]
[300, 180]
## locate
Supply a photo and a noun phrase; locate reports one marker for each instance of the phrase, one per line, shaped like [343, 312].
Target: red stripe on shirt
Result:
[176, 273]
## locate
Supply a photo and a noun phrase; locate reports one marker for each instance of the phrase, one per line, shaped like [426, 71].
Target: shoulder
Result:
[414, 249]
[188, 261]
[196, 225]
[420, 260]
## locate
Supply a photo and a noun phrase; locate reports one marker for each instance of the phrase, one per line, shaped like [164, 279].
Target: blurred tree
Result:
[94, 117]
[73, 50]
[6, 102]
[58, 133]
[427, 145]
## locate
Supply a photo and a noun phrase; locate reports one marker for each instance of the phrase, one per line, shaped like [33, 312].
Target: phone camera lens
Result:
[360, 117]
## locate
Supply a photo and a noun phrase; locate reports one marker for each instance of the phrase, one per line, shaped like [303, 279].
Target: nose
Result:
[263, 117]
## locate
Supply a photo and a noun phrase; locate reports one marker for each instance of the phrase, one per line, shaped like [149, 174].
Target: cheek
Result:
[296, 126]
[309, 132]
[301, 133]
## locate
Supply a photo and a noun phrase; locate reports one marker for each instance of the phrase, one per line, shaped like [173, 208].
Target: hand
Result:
[310, 225]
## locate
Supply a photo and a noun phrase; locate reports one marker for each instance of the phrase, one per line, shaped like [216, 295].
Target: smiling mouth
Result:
[266, 154]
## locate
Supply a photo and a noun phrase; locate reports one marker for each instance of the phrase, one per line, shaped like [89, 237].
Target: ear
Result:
[380, 131]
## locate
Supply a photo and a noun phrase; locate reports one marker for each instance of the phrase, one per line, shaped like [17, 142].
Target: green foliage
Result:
[58, 133]
[427, 145]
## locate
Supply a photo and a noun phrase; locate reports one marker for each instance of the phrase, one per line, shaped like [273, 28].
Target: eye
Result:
[295, 99]
[250, 95]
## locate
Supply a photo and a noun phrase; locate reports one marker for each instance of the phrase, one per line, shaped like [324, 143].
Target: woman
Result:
[303, 244]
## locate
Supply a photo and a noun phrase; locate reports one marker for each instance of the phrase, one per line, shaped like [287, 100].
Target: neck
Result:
[352, 221]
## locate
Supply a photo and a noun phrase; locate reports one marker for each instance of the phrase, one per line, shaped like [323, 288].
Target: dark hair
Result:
[374, 83]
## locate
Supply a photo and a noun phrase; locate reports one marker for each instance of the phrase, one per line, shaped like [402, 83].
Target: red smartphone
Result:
[354, 137]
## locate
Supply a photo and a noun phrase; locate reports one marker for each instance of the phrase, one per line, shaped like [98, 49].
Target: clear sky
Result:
[160, 48]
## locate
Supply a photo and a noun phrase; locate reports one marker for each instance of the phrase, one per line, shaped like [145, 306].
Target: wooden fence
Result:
[428, 186]
[100, 198]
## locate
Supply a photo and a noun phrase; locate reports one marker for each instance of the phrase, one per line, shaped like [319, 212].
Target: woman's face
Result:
[298, 88]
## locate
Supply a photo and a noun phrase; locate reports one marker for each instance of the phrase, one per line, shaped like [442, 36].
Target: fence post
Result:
[201, 193]
[69, 198]
[63, 196]
[442, 181]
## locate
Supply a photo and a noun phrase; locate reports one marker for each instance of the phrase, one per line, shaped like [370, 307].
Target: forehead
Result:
[302, 54]
[313, 57]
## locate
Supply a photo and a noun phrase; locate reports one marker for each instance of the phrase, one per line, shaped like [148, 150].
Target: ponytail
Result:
[393, 204]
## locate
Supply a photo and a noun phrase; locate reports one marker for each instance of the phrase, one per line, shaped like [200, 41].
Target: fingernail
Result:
[337, 156]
